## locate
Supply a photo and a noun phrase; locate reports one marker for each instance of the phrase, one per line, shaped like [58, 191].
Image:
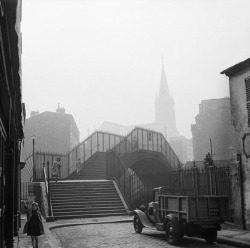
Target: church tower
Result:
[165, 109]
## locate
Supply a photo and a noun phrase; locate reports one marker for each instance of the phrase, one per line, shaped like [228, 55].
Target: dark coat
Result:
[25, 229]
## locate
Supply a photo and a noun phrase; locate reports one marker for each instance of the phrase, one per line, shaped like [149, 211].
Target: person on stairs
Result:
[56, 169]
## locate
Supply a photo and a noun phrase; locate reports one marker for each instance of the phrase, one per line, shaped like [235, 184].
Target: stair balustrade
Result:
[47, 187]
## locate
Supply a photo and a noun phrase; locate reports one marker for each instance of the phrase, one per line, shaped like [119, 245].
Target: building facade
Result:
[239, 84]
[183, 147]
[11, 119]
[55, 132]
[214, 123]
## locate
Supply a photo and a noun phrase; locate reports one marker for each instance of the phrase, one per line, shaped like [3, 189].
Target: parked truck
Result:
[179, 212]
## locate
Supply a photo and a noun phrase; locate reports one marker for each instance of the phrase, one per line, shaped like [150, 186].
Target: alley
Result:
[119, 235]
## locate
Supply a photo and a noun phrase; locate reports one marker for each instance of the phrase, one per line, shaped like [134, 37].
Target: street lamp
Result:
[230, 148]
[33, 138]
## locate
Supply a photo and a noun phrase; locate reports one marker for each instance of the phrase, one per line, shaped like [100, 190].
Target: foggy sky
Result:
[101, 60]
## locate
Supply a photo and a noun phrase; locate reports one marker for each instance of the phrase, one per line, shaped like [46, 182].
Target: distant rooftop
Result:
[236, 68]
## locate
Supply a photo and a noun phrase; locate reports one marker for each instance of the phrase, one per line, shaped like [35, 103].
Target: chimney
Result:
[60, 110]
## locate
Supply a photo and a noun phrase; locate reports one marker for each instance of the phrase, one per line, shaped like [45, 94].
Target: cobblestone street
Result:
[119, 235]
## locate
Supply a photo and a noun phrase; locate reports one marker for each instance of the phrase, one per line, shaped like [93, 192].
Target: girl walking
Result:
[34, 226]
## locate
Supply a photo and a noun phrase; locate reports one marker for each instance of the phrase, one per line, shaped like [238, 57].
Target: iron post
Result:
[48, 179]
[33, 137]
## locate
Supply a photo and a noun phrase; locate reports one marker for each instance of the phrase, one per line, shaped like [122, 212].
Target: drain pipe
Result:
[239, 158]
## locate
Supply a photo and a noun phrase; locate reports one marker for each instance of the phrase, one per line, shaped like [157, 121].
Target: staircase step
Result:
[89, 211]
[96, 204]
[89, 215]
[84, 200]
[81, 189]
[89, 208]
[91, 196]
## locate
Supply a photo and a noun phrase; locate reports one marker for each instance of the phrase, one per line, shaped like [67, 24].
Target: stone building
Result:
[183, 148]
[53, 131]
[239, 84]
[214, 122]
[12, 115]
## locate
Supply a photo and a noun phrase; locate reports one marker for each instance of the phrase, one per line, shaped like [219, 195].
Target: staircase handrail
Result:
[46, 181]
[167, 157]
[85, 161]
[92, 134]
[114, 178]
[90, 152]
[117, 154]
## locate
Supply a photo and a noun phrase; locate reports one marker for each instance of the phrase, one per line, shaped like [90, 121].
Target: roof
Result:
[236, 68]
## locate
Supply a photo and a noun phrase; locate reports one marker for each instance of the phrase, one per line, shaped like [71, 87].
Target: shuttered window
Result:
[247, 82]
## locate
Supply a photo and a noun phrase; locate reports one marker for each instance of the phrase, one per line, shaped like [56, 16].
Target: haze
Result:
[101, 60]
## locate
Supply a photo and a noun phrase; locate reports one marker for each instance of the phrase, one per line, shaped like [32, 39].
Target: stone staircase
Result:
[85, 199]
[94, 168]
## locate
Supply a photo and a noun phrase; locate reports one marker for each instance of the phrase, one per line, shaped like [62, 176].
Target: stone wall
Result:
[240, 121]
[37, 193]
[214, 122]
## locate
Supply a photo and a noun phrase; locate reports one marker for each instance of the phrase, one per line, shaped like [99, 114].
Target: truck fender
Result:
[143, 218]
[174, 219]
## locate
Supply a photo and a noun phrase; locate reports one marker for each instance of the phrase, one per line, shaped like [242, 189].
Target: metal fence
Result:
[137, 188]
[96, 142]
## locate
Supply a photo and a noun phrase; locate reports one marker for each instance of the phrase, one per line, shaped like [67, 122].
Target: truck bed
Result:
[196, 209]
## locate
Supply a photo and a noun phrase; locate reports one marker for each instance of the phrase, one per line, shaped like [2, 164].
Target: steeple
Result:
[164, 90]
[165, 108]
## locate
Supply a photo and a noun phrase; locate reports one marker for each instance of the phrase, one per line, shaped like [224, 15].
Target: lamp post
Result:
[33, 138]
[230, 148]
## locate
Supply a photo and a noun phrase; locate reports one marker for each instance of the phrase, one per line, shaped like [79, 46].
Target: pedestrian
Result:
[56, 169]
[78, 166]
[33, 226]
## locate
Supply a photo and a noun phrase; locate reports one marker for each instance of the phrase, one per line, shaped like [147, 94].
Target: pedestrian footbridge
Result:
[140, 158]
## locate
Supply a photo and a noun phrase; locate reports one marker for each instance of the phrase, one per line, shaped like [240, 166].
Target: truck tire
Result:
[172, 234]
[137, 224]
[210, 236]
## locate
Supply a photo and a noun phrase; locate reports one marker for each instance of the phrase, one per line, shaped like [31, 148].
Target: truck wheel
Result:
[172, 235]
[137, 224]
[211, 236]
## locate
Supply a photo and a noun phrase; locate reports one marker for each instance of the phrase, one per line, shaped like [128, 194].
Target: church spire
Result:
[164, 108]
[164, 90]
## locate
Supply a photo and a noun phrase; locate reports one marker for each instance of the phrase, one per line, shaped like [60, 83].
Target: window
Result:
[247, 82]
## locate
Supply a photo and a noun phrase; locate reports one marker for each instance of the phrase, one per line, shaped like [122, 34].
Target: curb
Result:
[89, 223]
[233, 242]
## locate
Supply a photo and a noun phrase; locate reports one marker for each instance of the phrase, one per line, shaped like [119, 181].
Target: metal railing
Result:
[143, 140]
[137, 189]
[47, 187]
[96, 142]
